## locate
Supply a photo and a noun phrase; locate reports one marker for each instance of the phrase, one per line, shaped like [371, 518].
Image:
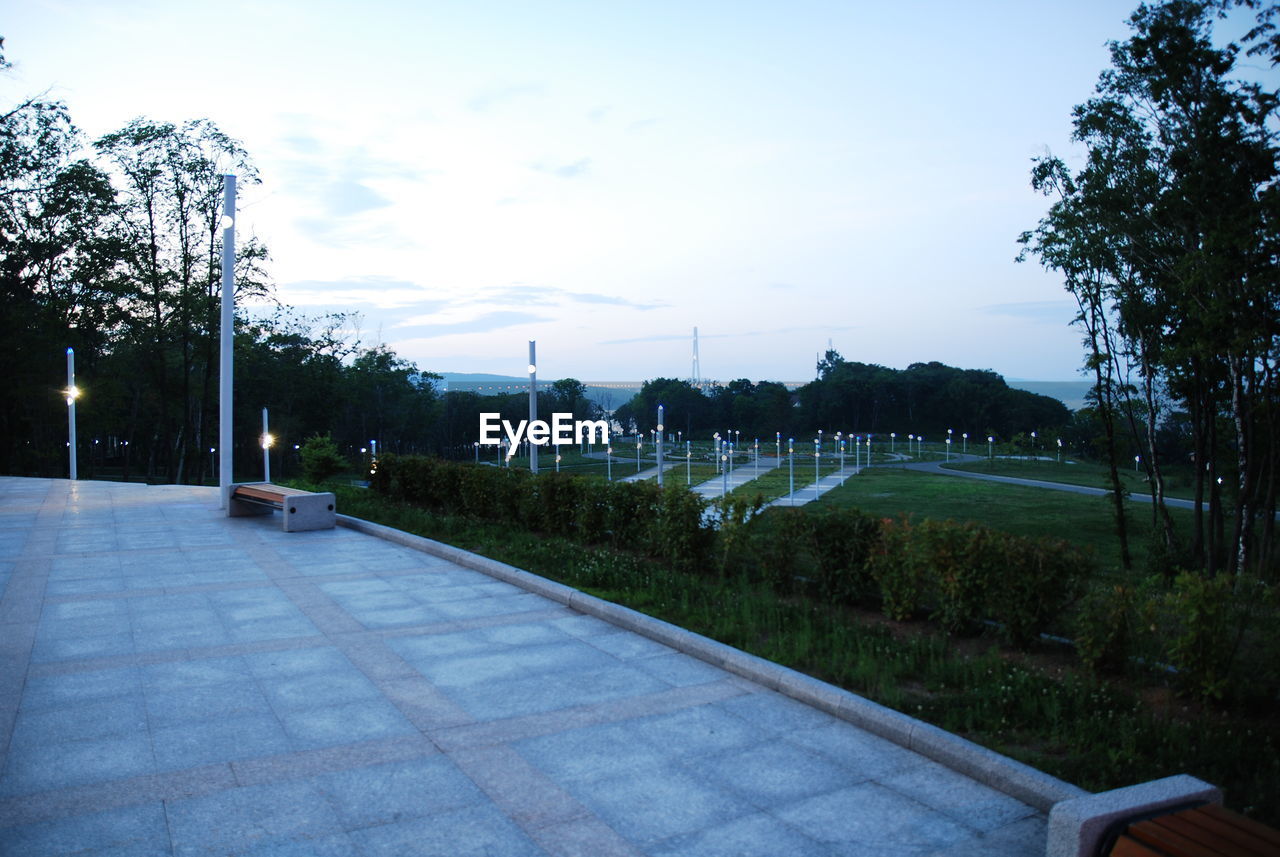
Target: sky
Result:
[604, 176]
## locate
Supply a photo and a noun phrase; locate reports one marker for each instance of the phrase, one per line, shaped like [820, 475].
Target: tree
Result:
[1168, 240]
[169, 214]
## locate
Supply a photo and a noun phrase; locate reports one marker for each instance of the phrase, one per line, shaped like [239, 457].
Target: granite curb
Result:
[1020, 781]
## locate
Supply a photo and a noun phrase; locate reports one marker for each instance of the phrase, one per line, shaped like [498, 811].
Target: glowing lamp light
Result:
[532, 368]
[267, 441]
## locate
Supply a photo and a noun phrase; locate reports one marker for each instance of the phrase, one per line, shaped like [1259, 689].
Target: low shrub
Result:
[321, 460]
[897, 568]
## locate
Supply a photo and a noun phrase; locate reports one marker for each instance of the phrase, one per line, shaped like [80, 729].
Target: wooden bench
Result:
[303, 510]
[1201, 831]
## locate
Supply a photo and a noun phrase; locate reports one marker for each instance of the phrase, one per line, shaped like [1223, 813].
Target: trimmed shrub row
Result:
[662, 524]
[958, 574]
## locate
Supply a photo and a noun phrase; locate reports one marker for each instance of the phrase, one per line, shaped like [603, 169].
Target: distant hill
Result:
[497, 385]
[1070, 393]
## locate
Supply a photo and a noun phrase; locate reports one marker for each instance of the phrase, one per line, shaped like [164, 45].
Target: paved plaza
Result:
[176, 682]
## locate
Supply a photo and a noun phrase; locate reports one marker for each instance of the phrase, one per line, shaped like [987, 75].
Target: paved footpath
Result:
[176, 682]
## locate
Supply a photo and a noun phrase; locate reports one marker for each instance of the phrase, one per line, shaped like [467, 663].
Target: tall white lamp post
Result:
[226, 334]
[73, 393]
[266, 448]
[533, 402]
[661, 436]
[791, 466]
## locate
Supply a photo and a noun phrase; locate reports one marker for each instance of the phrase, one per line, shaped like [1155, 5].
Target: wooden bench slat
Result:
[1269, 835]
[1126, 846]
[268, 491]
[1158, 836]
[1229, 839]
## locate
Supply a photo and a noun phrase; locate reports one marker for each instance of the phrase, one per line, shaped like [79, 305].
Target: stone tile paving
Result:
[175, 682]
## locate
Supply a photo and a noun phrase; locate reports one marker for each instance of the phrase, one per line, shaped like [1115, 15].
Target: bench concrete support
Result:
[1077, 826]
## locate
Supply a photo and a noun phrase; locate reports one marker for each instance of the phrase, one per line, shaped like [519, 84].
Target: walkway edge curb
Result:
[1018, 780]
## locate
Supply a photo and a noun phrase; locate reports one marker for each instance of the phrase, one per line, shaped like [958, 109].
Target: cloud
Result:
[524, 295]
[483, 102]
[673, 337]
[347, 197]
[377, 292]
[565, 171]
[1051, 312]
[480, 324]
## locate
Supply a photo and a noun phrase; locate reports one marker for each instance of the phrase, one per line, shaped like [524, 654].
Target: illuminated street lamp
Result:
[688, 462]
[639, 446]
[948, 449]
[817, 458]
[72, 393]
[477, 445]
[267, 440]
[966, 442]
[893, 441]
[990, 454]
[1059, 450]
[608, 457]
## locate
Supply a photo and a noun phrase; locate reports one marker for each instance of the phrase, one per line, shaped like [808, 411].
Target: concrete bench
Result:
[303, 510]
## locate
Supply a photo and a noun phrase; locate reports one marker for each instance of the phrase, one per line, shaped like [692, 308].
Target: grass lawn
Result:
[1025, 511]
[1177, 482]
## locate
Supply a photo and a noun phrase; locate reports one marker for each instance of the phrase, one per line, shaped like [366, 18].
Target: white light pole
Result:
[477, 445]
[791, 466]
[608, 458]
[1059, 450]
[226, 335]
[639, 445]
[948, 449]
[533, 402]
[779, 442]
[688, 462]
[724, 473]
[266, 447]
[661, 428]
[73, 393]
[990, 452]
[893, 441]
[757, 458]
[966, 442]
[817, 460]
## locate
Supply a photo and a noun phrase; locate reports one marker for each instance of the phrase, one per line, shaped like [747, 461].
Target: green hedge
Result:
[662, 524]
[960, 575]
